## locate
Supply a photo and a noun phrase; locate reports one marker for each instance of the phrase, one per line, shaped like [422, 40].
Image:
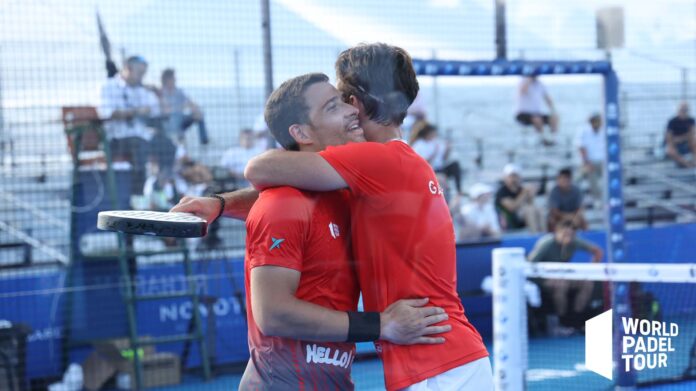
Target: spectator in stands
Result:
[163, 188]
[477, 218]
[515, 202]
[180, 111]
[565, 202]
[128, 109]
[590, 142]
[416, 115]
[427, 143]
[236, 158]
[263, 138]
[531, 109]
[560, 246]
[680, 137]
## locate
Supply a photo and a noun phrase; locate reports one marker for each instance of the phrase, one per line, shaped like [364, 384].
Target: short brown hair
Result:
[287, 106]
[382, 77]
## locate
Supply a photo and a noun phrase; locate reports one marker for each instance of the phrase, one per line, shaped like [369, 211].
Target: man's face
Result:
[332, 121]
[136, 72]
[683, 110]
[512, 180]
[596, 123]
[246, 140]
[169, 83]
[563, 182]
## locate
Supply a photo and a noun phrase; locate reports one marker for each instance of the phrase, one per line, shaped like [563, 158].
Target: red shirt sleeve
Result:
[277, 228]
[368, 168]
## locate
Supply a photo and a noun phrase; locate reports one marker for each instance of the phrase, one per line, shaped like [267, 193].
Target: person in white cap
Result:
[515, 202]
[477, 217]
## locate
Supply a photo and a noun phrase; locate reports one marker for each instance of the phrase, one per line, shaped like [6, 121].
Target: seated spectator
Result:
[236, 158]
[163, 151]
[163, 189]
[179, 110]
[560, 246]
[531, 110]
[515, 202]
[263, 138]
[565, 202]
[427, 143]
[591, 144]
[416, 115]
[477, 219]
[128, 108]
[680, 138]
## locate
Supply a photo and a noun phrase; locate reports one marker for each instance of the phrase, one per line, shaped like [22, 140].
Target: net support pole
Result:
[614, 216]
[509, 319]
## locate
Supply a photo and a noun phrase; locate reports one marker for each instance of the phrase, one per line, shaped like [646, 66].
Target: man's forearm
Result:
[304, 170]
[238, 203]
[303, 320]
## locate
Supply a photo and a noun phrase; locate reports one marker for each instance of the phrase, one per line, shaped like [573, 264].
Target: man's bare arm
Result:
[549, 102]
[237, 205]
[278, 312]
[304, 170]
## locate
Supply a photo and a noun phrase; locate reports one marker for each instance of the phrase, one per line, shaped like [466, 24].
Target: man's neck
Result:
[309, 148]
[381, 133]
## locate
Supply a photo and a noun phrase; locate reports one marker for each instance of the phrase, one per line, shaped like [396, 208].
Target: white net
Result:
[540, 312]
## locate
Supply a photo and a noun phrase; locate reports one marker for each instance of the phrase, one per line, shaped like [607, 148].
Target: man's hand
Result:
[408, 322]
[206, 208]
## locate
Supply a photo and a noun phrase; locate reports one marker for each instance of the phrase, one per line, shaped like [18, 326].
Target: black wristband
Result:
[222, 205]
[363, 326]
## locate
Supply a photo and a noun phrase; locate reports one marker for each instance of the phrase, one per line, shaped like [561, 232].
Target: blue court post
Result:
[614, 216]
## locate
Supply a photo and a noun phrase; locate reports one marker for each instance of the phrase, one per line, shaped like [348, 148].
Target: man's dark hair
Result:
[381, 77]
[167, 74]
[287, 106]
[566, 172]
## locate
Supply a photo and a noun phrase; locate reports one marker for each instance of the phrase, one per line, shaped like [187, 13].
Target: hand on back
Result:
[409, 322]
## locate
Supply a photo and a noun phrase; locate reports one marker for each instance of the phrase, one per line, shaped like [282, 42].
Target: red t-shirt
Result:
[404, 247]
[307, 232]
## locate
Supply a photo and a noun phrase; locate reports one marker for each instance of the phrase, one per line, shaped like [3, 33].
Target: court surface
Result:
[549, 362]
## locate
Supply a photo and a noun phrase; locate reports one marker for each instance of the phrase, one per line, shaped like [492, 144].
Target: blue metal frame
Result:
[613, 205]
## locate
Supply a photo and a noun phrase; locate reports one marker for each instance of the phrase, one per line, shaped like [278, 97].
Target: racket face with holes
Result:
[142, 222]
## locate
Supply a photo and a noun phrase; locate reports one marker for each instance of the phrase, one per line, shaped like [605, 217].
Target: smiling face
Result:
[331, 121]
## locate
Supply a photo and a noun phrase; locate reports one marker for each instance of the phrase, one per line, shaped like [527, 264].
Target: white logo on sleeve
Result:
[435, 188]
[333, 229]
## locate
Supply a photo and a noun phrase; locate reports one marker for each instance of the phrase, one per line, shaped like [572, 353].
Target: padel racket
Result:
[137, 222]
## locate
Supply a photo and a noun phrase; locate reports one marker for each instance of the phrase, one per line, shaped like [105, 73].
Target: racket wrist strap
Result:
[222, 205]
[363, 326]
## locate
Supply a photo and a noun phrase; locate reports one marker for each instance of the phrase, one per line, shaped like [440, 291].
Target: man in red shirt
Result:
[302, 288]
[403, 237]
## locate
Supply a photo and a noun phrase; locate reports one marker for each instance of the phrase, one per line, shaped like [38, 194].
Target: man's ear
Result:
[301, 134]
[355, 102]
